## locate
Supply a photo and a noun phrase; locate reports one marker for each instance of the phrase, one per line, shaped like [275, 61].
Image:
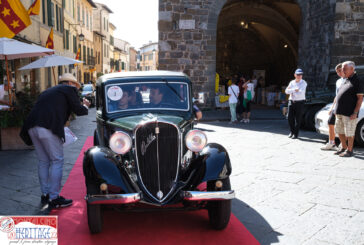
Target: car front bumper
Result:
[136, 197]
[208, 195]
[113, 198]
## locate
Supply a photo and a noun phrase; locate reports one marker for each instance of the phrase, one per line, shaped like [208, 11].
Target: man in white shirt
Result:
[233, 92]
[297, 96]
[331, 122]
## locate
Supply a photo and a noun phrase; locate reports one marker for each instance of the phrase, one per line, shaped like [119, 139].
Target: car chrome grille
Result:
[157, 149]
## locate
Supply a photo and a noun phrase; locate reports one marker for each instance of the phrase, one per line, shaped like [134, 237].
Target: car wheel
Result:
[219, 211]
[94, 212]
[359, 133]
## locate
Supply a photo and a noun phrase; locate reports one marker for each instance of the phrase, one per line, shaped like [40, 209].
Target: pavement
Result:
[287, 191]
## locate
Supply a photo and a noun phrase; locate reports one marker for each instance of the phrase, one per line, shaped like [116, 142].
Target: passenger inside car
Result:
[135, 98]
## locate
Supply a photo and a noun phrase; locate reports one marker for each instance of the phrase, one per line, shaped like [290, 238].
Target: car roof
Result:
[142, 74]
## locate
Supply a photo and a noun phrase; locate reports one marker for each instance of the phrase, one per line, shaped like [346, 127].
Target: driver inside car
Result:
[156, 96]
[124, 101]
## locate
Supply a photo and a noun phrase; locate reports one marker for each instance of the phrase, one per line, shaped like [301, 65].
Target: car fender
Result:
[100, 162]
[217, 162]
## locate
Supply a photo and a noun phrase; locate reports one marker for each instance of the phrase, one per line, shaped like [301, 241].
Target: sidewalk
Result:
[258, 112]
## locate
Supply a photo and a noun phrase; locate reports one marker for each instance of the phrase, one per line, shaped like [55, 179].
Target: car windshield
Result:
[147, 95]
[87, 88]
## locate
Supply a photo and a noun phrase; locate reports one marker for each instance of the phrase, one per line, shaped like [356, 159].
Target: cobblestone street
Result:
[287, 191]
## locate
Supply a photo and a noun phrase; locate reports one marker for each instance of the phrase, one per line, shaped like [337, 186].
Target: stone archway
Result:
[188, 32]
[260, 35]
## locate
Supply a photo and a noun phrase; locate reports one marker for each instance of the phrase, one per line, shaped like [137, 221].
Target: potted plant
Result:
[12, 120]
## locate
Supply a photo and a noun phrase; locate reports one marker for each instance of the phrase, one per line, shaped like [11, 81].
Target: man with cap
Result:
[297, 96]
[44, 128]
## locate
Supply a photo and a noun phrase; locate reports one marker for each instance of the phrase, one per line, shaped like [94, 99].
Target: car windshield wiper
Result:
[174, 91]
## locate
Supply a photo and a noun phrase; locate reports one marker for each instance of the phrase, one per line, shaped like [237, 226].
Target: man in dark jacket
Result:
[45, 126]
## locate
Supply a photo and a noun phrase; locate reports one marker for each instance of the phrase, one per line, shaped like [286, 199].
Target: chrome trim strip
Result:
[113, 198]
[156, 120]
[207, 195]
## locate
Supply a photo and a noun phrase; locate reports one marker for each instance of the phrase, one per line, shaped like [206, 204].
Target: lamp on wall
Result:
[81, 36]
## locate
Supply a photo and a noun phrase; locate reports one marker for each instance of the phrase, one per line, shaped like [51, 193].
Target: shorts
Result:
[332, 119]
[343, 125]
[247, 108]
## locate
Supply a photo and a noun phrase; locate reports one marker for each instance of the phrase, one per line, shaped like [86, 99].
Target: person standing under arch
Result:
[297, 96]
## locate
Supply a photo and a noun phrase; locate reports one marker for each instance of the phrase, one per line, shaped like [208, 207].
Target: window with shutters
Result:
[57, 18]
[67, 39]
[44, 11]
[74, 44]
[83, 15]
[84, 54]
[78, 13]
[50, 13]
[88, 55]
[61, 27]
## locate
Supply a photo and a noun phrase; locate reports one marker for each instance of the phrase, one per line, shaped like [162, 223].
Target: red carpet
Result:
[176, 227]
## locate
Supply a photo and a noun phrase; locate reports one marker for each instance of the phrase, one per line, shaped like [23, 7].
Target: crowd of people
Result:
[343, 115]
[345, 109]
[241, 94]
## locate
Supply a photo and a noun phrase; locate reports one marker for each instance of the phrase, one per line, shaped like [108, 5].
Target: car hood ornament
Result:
[160, 195]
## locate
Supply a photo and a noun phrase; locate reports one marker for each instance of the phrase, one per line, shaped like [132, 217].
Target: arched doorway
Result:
[259, 36]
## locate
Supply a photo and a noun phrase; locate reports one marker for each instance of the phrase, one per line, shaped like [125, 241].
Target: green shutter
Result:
[67, 39]
[57, 18]
[49, 12]
[44, 11]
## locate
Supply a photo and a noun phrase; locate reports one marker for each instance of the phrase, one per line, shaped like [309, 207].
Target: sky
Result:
[136, 21]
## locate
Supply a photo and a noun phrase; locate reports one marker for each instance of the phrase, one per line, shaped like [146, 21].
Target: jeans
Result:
[49, 149]
[233, 111]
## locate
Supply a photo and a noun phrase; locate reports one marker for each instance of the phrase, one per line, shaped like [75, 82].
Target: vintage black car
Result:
[147, 151]
[88, 92]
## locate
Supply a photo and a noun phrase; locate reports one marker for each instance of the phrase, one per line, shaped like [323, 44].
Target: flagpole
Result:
[8, 76]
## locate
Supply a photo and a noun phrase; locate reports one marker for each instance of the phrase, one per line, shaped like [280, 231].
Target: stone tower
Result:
[202, 37]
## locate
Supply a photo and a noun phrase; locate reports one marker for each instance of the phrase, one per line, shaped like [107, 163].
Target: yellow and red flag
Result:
[13, 18]
[34, 9]
[49, 43]
[78, 54]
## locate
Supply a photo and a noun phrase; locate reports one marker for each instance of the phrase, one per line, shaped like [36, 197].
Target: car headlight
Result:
[120, 142]
[196, 140]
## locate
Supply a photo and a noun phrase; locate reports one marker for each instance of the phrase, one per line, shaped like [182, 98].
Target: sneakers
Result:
[329, 147]
[339, 151]
[242, 120]
[44, 199]
[245, 120]
[60, 202]
[290, 135]
[347, 153]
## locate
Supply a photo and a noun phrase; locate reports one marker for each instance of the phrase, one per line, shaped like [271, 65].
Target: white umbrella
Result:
[12, 49]
[49, 61]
